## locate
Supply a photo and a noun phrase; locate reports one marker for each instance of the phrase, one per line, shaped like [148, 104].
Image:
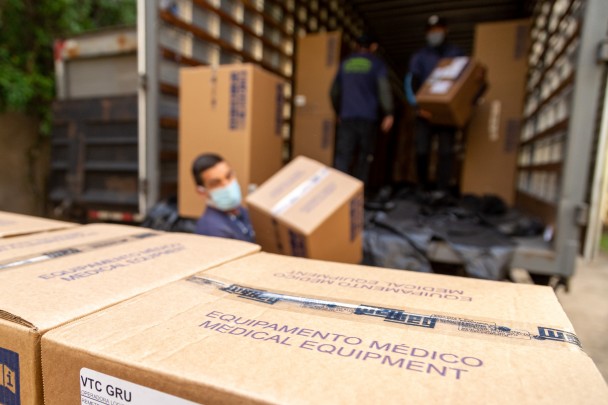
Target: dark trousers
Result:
[424, 132]
[355, 144]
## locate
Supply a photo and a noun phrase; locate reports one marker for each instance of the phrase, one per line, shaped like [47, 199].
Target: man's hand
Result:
[427, 115]
[387, 123]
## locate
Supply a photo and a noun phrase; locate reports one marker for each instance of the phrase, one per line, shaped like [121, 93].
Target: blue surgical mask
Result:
[435, 38]
[226, 198]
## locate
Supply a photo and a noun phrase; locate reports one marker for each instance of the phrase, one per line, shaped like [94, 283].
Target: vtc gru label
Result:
[107, 389]
[101, 389]
[9, 378]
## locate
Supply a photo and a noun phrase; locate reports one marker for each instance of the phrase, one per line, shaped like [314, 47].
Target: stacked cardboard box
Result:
[50, 279]
[16, 224]
[273, 329]
[318, 60]
[309, 210]
[492, 136]
[235, 111]
[451, 90]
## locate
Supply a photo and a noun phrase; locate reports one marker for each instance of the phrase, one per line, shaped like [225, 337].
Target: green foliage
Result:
[27, 31]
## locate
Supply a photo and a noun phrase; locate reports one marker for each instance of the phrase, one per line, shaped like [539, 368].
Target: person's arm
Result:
[412, 83]
[385, 97]
[335, 93]
[408, 86]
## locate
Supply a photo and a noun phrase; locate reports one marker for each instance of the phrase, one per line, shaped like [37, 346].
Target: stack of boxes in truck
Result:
[492, 135]
[314, 123]
[306, 209]
[235, 111]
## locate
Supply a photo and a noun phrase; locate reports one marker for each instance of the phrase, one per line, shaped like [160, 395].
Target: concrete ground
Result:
[587, 307]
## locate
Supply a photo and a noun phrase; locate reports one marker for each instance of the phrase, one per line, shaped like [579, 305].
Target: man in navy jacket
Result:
[361, 97]
[422, 64]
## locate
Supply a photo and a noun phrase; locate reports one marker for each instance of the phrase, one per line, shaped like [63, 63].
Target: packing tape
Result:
[83, 248]
[444, 323]
[299, 192]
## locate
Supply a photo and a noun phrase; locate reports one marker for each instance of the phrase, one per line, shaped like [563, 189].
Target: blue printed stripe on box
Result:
[238, 100]
[9, 378]
[280, 102]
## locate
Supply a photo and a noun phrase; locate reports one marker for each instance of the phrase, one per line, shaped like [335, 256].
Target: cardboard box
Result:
[16, 224]
[318, 58]
[273, 329]
[110, 264]
[449, 93]
[21, 250]
[235, 111]
[309, 210]
[492, 136]
[315, 137]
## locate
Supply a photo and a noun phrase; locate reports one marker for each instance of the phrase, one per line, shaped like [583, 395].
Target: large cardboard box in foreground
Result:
[309, 210]
[493, 133]
[277, 330]
[450, 92]
[235, 111]
[103, 265]
[16, 224]
[314, 123]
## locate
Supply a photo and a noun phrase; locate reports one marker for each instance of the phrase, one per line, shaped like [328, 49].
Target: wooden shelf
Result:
[542, 167]
[560, 126]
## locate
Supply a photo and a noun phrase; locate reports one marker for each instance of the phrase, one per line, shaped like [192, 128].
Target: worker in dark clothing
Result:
[359, 93]
[422, 64]
[224, 216]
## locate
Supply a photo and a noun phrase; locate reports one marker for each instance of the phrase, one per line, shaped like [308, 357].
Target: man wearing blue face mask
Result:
[422, 64]
[224, 217]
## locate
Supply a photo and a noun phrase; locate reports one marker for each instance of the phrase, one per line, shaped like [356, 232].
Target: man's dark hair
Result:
[365, 41]
[202, 163]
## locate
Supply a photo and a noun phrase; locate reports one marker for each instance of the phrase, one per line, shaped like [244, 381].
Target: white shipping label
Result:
[440, 87]
[494, 121]
[101, 389]
[452, 70]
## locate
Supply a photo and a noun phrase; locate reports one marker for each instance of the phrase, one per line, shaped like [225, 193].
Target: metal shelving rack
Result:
[559, 128]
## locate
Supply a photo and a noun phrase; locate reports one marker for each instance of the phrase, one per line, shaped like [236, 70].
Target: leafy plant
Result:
[27, 31]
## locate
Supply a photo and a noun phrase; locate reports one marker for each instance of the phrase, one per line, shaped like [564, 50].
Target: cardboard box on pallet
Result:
[79, 272]
[235, 111]
[275, 329]
[12, 224]
[492, 135]
[317, 61]
[309, 210]
[449, 93]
